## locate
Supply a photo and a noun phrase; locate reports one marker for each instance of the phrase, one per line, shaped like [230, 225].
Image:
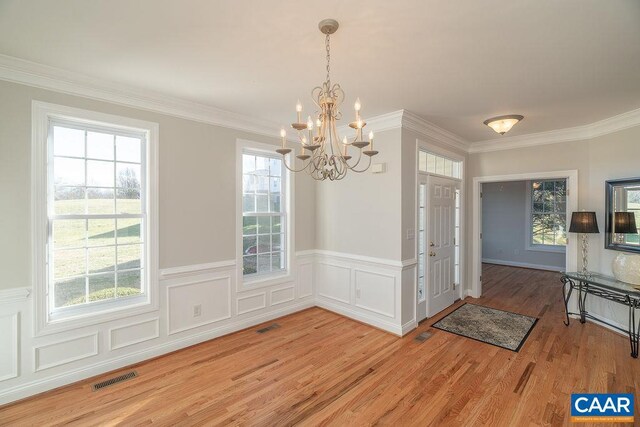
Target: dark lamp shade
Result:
[625, 223]
[584, 222]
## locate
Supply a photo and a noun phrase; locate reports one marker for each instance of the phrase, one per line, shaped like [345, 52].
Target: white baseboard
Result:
[360, 316]
[576, 318]
[522, 264]
[39, 386]
[409, 326]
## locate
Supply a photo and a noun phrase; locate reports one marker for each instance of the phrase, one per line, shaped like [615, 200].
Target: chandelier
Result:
[322, 153]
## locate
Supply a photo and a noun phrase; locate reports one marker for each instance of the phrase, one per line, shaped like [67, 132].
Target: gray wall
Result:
[196, 185]
[504, 228]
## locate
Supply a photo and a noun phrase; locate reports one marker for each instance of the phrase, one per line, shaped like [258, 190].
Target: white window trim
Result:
[529, 245]
[265, 280]
[43, 324]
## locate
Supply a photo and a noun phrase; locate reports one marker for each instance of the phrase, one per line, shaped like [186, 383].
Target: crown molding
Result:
[425, 128]
[29, 73]
[579, 133]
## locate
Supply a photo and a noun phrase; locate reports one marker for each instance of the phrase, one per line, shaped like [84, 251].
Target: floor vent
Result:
[115, 380]
[268, 328]
[424, 336]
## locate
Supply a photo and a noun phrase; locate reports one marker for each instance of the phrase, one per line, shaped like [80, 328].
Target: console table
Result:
[608, 288]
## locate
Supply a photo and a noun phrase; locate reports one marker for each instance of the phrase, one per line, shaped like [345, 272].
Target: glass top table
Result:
[607, 288]
[607, 282]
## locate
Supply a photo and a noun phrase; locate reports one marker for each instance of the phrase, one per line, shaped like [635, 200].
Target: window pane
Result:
[128, 201]
[69, 233]
[275, 167]
[249, 225]
[69, 263]
[262, 185]
[249, 245]
[275, 203]
[69, 291]
[101, 232]
[422, 161]
[100, 174]
[100, 146]
[68, 142]
[262, 203]
[69, 200]
[276, 242]
[264, 243]
[128, 177]
[277, 261]
[439, 165]
[129, 257]
[100, 201]
[248, 163]
[264, 225]
[129, 230]
[276, 222]
[248, 203]
[249, 183]
[448, 167]
[264, 263]
[68, 171]
[431, 163]
[128, 149]
[250, 264]
[102, 287]
[102, 259]
[129, 283]
[274, 185]
[262, 166]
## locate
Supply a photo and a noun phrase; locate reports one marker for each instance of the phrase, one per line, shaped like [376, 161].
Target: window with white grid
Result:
[96, 214]
[263, 214]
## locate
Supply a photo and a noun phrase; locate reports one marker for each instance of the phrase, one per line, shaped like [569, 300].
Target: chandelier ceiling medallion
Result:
[324, 155]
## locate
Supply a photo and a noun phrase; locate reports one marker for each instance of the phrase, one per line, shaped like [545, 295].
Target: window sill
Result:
[266, 280]
[547, 248]
[88, 316]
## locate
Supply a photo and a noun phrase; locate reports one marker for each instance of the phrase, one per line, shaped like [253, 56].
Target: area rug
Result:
[489, 325]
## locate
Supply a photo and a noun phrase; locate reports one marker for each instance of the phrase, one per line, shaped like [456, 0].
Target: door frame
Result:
[571, 253]
[422, 144]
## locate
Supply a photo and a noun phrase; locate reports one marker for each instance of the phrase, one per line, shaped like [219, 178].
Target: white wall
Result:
[504, 228]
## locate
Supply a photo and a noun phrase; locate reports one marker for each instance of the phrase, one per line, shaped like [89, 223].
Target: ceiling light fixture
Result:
[329, 154]
[503, 124]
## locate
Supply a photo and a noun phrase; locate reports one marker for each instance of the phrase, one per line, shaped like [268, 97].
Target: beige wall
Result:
[196, 189]
[611, 156]
[360, 215]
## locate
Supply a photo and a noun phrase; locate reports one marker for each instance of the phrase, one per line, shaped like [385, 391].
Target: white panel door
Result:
[441, 247]
[421, 297]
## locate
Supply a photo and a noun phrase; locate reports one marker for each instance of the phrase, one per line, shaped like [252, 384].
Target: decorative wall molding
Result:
[113, 332]
[14, 295]
[186, 270]
[66, 345]
[261, 298]
[18, 70]
[579, 133]
[423, 127]
[362, 258]
[9, 346]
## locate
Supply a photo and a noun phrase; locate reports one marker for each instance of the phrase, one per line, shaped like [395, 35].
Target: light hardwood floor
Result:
[321, 368]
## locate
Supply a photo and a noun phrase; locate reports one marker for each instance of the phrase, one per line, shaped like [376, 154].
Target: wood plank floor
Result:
[320, 368]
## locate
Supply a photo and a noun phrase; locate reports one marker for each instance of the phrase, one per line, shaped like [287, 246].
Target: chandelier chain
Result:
[328, 47]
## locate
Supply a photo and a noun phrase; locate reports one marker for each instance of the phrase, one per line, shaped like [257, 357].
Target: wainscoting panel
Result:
[333, 282]
[280, 296]
[248, 303]
[64, 352]
[305, 279]
[198, 303]
[9, 345]
[134, 333]
[376, 292]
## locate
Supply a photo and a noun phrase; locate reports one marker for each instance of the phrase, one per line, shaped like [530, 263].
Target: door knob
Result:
[431, 244]
[431, 253]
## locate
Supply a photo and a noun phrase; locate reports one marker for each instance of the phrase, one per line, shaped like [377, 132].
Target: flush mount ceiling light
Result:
[322, 153]
[503, 124]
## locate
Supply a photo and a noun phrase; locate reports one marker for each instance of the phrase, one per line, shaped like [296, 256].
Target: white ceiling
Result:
[455, 63]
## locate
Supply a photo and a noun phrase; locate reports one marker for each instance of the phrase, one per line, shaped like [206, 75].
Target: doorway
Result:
[438, 237]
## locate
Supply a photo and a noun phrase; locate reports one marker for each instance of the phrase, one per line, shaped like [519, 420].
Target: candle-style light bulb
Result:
[298, 110]
[283, 135]
[304, 140]
[371, 136]
[344, 140]
[309, 123]
[357, 105]
[318, 122]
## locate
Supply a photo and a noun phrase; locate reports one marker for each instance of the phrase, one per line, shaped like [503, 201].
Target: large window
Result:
[548, 213]
[92, 226]
[263, 214]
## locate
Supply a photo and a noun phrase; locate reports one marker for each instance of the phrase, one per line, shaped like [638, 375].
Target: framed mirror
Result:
[623, 215]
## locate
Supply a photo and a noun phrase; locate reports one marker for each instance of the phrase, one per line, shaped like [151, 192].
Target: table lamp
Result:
[584, 223]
